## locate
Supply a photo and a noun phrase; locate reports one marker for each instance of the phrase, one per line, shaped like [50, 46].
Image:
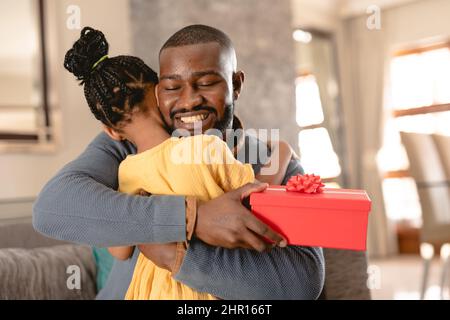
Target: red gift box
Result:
[335, 218]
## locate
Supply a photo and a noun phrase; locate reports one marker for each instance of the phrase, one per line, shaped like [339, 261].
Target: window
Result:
[318, 160]
[420, 79]
[307, 97]
[24, 106]
[419, 102]
[318, 109]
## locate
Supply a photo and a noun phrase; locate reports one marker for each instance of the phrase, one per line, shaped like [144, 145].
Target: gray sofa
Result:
[35, 267]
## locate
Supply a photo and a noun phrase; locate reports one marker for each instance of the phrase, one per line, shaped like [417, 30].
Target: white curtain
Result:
[362, 61]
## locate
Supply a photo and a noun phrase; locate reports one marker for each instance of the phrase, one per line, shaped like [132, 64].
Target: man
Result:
[198, 81]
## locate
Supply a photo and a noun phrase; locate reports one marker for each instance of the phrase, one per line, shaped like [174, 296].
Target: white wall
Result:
[315, 14]
[418, 21]
[23, 175]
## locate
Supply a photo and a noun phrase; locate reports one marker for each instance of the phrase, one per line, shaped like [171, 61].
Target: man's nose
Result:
[189, 98]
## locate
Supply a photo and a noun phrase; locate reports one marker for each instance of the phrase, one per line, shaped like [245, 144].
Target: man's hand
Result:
[225, 222]
[163, 255]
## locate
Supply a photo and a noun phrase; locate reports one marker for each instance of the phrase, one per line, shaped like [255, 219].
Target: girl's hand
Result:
[161, 254]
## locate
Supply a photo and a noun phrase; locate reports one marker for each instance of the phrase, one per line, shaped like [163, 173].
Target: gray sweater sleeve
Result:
[283, 273]
[80, 203]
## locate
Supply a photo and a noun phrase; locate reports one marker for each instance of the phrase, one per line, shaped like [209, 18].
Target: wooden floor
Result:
[400, 278]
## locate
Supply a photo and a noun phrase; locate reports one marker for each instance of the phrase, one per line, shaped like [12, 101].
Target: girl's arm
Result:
[281, 152]
[121, 253]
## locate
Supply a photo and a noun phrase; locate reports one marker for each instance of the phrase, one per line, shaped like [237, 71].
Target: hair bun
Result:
[85, 52]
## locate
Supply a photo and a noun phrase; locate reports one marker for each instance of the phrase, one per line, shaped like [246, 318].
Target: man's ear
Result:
[113, 134]
[238, 81]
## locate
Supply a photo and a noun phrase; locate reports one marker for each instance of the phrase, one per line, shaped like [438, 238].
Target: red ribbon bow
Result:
[308, 183]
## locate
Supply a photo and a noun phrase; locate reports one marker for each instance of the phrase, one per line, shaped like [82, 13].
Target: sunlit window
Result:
[438, 122]
[309, 106]
[421, 79]
[316, 149]
[317, 153]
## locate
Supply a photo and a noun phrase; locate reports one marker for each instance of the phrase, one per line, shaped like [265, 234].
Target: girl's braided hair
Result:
[113, 87]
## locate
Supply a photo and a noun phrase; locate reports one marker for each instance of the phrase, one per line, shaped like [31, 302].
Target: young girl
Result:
[120, 93]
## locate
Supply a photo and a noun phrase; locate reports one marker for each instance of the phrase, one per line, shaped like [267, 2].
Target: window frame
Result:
[10, 138]
[339, 148]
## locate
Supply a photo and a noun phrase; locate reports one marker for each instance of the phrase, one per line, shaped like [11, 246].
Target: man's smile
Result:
[194, 118]
[188, 120]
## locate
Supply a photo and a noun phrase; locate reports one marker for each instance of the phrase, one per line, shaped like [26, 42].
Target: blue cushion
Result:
[104, 262]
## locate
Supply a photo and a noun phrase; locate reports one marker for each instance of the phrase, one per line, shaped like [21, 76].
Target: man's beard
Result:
[222, 124]
[227, 121]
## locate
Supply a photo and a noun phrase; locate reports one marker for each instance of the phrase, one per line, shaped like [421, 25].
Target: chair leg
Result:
[426, 271]
[445, 253]
[427, 253]
[443, 278]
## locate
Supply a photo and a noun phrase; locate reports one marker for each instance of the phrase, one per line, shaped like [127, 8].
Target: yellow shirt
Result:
[200, 166]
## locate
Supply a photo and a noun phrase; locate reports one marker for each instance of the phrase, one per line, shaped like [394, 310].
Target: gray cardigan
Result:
[80, 204]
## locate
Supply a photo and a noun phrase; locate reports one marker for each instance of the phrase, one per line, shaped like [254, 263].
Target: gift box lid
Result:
[330, 198]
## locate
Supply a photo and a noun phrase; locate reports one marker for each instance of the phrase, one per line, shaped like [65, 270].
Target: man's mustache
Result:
[197, 108]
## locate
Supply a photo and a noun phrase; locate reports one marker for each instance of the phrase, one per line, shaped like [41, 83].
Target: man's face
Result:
[198, 83]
